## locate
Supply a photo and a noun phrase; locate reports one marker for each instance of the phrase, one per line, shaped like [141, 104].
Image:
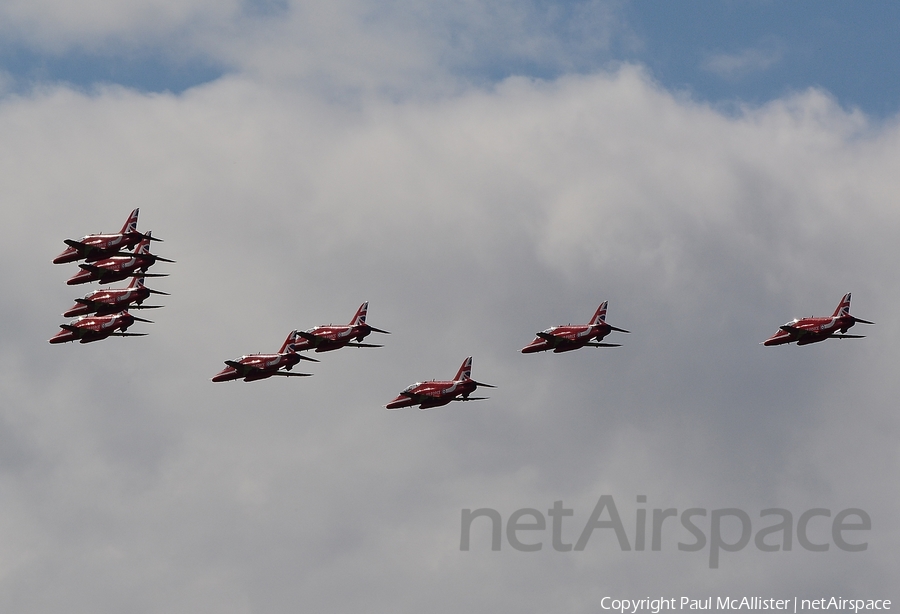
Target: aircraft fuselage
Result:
[93, 328]
[567, 338]
[804, 331]
[257, 366]
[433, 394]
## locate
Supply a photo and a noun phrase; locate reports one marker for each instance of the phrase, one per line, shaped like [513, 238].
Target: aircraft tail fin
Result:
[131, 223]
[465, 370]
[360, 317]
[144, 246]
[843, 308]
[600, 314]
[287, 346]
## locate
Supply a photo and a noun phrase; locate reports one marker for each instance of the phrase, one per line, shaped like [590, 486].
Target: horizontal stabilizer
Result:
[302, 357]
[158, 292]
[69, 327]
[861, 321]
[239, 366]
[161, 259]
[482, 384]
[378, 330]
[75, 244]
[621, 330]
[604, 345]
[310, 336]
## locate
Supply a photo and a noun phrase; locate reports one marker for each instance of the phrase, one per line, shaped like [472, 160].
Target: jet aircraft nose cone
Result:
[60, 337]
[398, 402]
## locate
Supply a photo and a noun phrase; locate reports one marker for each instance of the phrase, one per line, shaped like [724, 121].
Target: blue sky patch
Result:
[145, 71]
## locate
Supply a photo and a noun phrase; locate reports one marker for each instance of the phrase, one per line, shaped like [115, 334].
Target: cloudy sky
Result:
[477, 171]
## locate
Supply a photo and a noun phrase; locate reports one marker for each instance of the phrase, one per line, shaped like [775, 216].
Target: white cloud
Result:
[56, 26]
[341, 46]
[468, 221]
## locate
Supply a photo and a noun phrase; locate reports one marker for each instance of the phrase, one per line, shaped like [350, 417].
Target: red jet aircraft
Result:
[436, 393]
[95, 247]
[573, 337]
[813, 329]
[119, 267]
[333, 337]
[104, 302]
[95, 328]
[261, 366]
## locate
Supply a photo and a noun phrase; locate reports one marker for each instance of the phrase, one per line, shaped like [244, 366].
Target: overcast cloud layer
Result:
[469, 219]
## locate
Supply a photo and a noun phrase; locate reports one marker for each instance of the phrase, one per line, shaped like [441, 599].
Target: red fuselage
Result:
[112, 269]
[433, 394]
[257, 366]
[811, 330]
[93, 328]
[567, 338]
[331, 337]
[108, 301]
[95, 247]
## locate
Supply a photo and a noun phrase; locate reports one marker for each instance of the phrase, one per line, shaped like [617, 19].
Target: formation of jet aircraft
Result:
[813, 329]
[320, 338]
[120, 266]
[440, 392]
[104, 313]
[572, 337]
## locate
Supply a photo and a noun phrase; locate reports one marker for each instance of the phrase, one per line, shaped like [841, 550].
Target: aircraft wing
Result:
[794, 330]
[241, 367]
[96, 270]
[363, 345]
[604, 345]
[77, 244]
[419, 398]
[314, 339]
[287, 374]
[840, 336]
[127, 334]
